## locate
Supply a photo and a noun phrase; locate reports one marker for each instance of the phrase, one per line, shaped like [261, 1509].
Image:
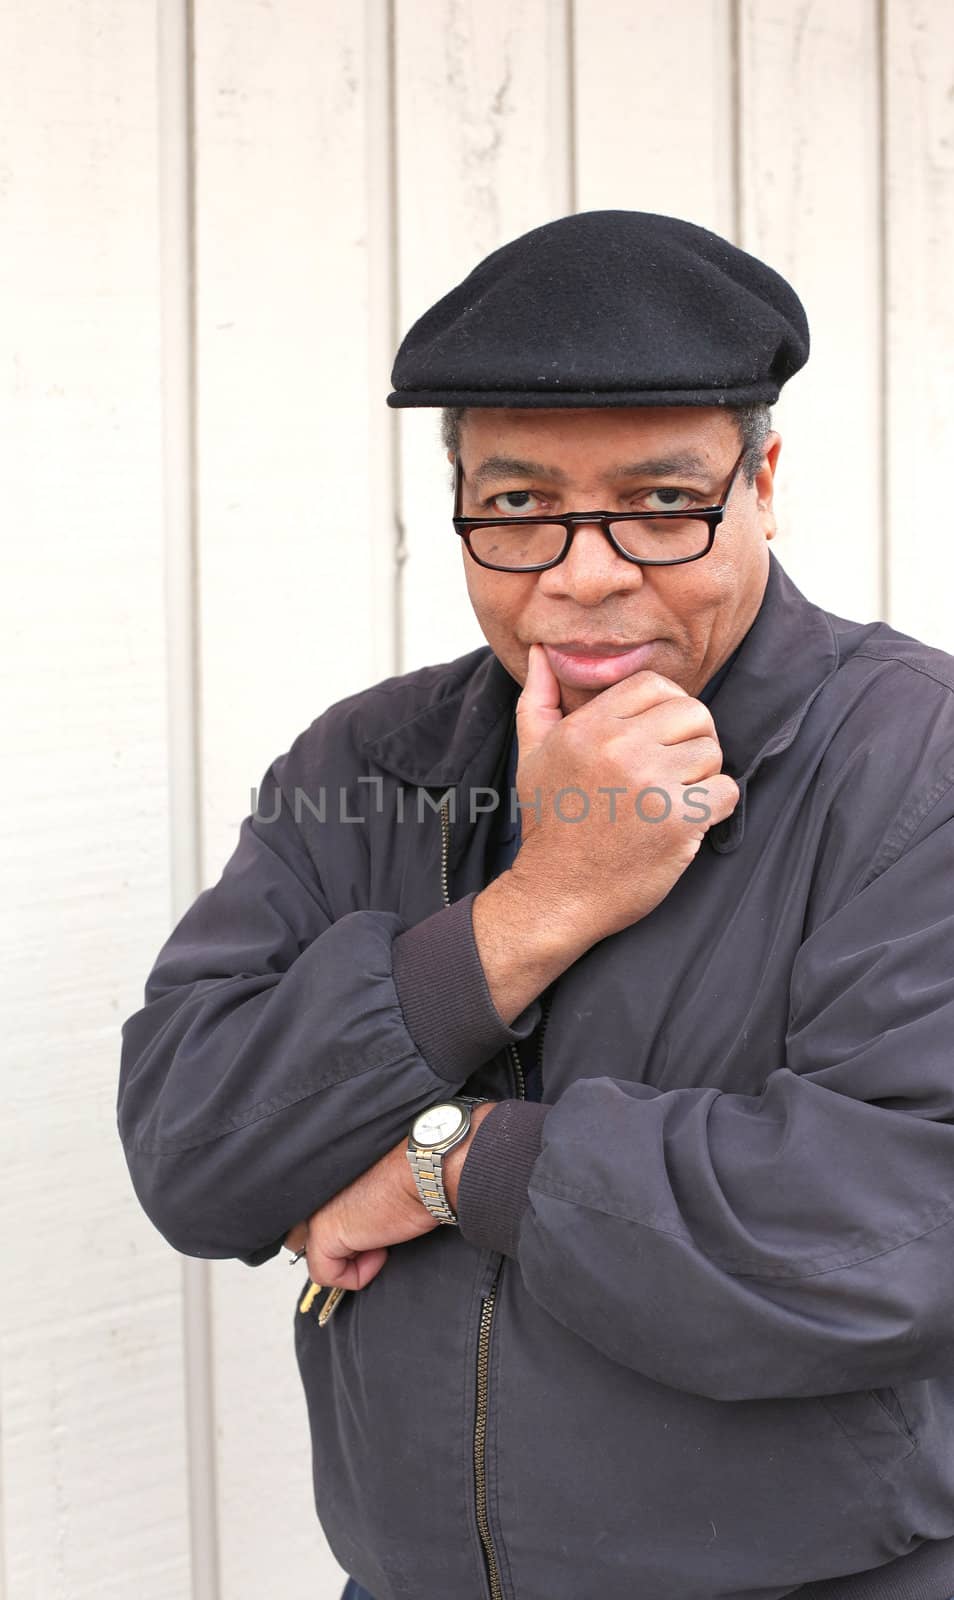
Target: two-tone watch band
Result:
[427, 1165]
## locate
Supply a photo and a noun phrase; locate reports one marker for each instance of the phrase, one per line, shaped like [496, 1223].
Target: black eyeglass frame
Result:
[571, 520]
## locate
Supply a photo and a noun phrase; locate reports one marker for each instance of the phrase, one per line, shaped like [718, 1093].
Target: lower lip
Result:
[597, 672]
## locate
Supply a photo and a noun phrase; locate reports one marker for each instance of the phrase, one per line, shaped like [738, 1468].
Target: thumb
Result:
[538, 708]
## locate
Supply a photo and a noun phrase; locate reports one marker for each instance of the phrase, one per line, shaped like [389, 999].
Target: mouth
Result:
[581, 664]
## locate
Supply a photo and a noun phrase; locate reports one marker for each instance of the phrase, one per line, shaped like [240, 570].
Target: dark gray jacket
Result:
[694, 1339]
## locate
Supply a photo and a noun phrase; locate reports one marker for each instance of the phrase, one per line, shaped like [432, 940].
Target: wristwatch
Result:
[433, 1133]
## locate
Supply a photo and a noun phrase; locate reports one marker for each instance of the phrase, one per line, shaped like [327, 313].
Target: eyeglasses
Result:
[648, 538]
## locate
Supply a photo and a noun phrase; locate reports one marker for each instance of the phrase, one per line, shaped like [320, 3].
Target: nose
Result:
[591, 570]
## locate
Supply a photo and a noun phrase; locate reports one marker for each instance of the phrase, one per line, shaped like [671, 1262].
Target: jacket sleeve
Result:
[281, 1051]
[796, 1242]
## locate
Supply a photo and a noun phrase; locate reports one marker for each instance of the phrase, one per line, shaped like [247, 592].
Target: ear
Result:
[765, 484]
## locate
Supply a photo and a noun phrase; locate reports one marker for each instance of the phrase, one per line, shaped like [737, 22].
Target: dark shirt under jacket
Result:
[505, 845]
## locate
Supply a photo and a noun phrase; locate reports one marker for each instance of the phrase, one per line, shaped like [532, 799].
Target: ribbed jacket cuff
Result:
[444, 997]
[492, 1192]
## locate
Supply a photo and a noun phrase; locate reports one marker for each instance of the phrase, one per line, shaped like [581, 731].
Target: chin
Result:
[573, 699]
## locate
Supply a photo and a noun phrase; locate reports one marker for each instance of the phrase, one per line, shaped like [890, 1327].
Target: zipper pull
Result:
[488, 1277]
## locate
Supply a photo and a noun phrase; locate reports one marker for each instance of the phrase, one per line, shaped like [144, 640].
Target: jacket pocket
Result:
[874, 1423]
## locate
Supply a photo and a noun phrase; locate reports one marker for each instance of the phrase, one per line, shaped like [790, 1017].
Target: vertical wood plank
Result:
[177, 288]
[654, 123]
[483, 155]
[919, 224]
[810, 126]
[93, 1447]
[295, 577]
[296, 568]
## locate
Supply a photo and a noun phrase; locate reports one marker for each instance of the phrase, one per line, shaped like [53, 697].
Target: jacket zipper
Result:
[490, 1299]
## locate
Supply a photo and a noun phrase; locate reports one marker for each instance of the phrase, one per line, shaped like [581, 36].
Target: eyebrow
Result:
[681, 461]
[687, 461]
[514, 467]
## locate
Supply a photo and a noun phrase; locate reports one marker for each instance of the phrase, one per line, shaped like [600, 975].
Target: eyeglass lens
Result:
[510, 544]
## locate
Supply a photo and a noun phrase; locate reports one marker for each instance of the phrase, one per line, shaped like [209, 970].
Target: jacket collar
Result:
[785, 659]
[439, 744]
[788, 654]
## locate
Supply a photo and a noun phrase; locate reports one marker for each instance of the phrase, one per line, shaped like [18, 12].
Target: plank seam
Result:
[884, 407]
[177, 288]
[393, 224]
[572, 181]
[736, 178]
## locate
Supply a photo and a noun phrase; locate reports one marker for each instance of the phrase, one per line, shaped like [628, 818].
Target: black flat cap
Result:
[607, 308]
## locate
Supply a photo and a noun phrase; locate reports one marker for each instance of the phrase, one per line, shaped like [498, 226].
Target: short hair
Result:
[753, 422]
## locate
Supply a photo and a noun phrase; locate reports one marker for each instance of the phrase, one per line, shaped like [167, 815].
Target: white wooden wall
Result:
[217, 219]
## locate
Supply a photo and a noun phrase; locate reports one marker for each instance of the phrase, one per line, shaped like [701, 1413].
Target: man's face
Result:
[689, 618]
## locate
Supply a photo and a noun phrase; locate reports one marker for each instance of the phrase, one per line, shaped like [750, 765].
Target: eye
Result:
[669, 499]
[511, 502]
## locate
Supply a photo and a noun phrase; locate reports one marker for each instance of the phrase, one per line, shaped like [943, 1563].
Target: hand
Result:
[346, 1239]
[615, 864]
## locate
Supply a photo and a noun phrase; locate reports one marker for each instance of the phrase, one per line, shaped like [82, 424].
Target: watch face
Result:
[439, 1123]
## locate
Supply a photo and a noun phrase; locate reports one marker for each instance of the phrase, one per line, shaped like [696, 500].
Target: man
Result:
[624, 1119]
